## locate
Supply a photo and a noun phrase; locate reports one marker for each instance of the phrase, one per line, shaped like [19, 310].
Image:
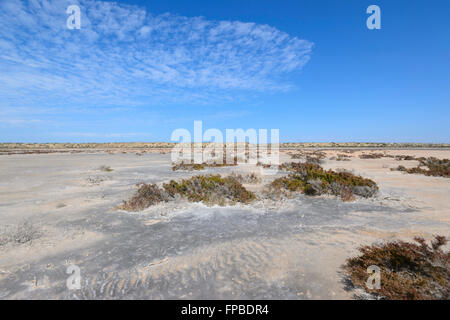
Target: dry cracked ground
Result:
[58, 210]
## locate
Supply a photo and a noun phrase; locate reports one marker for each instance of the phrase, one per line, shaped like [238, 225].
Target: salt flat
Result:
[289, 249]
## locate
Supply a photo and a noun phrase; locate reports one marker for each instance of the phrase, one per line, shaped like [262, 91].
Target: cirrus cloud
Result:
[125, 55]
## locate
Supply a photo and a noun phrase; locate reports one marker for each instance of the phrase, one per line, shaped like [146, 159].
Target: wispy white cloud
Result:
[124, 55]
[14, 122]
[102, 135]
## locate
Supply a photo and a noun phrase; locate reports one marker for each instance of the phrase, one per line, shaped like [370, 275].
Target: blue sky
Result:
[137, 70]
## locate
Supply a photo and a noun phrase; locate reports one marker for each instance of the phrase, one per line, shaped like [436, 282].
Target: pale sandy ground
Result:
[290, 249]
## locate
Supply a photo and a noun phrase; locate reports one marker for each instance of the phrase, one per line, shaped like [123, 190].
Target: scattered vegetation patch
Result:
[251, 178]
[296, 155]
[408, 270]
[292, 166]
[374, 155]
[188, 166]
[146, 196]
[95, 180]
[402, 157]
[314, 159]
[385, 155]
[430, 167]
[264, 165]
[105, 169]
[25, 232]
[310, 156]
[312, 179]
[201, 166]
[343, 157]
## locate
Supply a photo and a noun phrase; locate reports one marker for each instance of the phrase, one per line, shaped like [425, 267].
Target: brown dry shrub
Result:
[343, 157]
[408, 270]
[402, 157]
[373, 155]
[264, 165]
[310, 156]
[433, 167]
[146, 196]
[105, 168]
[251, 178]
[347, 194]
[201, 166]
[187, 166]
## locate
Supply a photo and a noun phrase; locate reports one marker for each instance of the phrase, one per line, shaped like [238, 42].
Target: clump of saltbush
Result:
[310, 156]
[251, 178]
[403, 157]
[201, 166]
[187, 166]
[372, 155]
[312, 179]
[105, 168]
[314, 159]
[296, 155]
[147, 195]
[430, 167]
[209, 189]
[409, 271]
[343, 157]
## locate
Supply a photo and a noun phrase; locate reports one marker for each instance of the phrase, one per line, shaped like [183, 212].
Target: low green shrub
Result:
[210, 189]
[312, 179]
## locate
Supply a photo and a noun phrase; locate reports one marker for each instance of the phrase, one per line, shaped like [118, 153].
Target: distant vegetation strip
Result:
[157, 145]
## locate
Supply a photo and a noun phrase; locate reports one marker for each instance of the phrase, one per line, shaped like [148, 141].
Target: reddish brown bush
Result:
[146, 196]
[408, 270]
[429, 167]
